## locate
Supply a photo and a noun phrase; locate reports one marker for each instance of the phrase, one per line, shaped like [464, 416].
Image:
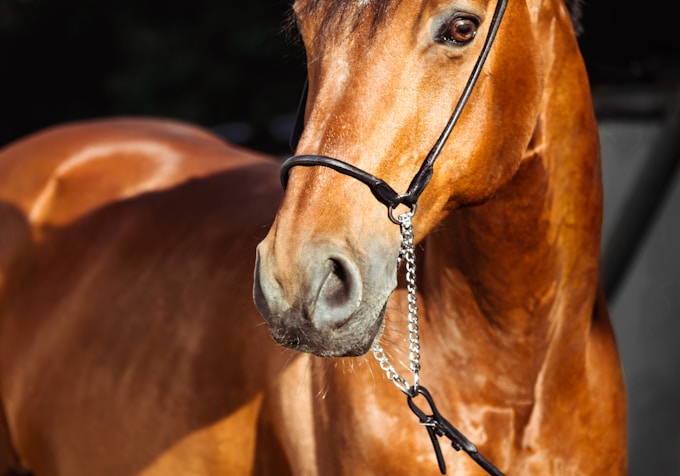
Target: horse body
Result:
[129, 342]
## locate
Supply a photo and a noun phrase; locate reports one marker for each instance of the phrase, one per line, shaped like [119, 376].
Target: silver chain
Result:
[407, 254]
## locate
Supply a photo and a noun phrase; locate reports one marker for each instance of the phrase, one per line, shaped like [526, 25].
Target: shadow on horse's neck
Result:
[505, 280]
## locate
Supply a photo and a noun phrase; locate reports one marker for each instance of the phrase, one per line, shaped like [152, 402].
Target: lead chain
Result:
[406, 254]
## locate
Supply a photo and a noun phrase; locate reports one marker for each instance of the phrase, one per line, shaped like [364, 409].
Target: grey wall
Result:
[646, 309]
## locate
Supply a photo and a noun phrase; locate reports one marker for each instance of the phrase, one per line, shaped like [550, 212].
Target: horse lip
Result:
[335, 343]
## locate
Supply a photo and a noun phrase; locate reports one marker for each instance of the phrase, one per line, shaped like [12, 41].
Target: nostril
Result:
[336, 286]
[339, 294]
[338, 270]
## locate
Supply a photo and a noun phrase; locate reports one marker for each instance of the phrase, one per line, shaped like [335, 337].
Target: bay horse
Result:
[129, 339]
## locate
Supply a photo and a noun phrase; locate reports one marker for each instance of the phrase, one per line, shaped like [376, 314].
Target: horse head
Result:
[384, 77]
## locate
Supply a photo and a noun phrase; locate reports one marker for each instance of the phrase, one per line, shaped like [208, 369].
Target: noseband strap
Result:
[380, 189]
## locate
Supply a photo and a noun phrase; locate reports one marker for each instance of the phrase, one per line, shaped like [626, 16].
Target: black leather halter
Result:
[380, 189]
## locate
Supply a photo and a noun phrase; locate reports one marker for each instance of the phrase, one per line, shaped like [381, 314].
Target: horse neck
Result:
[506, 281]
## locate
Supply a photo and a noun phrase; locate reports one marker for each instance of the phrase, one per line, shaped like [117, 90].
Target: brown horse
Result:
[513, 338]
[129, 342]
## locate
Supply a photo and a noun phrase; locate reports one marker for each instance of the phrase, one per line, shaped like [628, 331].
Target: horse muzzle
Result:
[325, 302]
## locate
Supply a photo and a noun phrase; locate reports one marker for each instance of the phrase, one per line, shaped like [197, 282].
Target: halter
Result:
[382, 191]
[436, 425]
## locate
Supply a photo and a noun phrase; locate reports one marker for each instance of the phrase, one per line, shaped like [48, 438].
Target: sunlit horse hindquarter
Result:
[514, 336]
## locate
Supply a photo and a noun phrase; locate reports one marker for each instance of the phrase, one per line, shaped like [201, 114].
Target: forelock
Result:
[349, 14]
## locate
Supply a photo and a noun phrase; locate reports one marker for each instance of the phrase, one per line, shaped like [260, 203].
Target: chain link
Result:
[407, 254]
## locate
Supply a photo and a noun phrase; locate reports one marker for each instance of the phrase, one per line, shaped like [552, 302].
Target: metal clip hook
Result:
[438, 426]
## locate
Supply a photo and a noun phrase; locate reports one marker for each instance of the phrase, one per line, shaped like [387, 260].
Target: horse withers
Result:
[129, 340]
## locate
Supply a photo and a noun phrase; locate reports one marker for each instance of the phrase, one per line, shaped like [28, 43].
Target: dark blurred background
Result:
[227, 65]
[215, 63]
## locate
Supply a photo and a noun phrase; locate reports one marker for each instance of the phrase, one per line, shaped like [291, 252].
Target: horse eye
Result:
[460, 30]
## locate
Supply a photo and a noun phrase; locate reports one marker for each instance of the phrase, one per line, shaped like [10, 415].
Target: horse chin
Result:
[352, 340]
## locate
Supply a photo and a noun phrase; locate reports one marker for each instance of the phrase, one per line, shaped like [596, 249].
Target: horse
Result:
[459, 139]
[167, 309]
[129, 340]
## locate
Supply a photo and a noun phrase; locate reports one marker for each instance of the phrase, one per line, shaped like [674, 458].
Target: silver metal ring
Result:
[390, 213]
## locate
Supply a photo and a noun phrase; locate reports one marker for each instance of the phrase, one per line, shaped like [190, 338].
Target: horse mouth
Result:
[352, 340]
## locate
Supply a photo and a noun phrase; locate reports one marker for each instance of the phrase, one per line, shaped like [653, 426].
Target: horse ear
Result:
[299, 119]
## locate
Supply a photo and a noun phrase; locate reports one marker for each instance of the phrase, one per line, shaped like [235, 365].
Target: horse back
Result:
[126, 258]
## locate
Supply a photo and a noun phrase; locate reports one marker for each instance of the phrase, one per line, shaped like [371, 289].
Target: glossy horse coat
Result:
[514, 335]
[129, 340]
